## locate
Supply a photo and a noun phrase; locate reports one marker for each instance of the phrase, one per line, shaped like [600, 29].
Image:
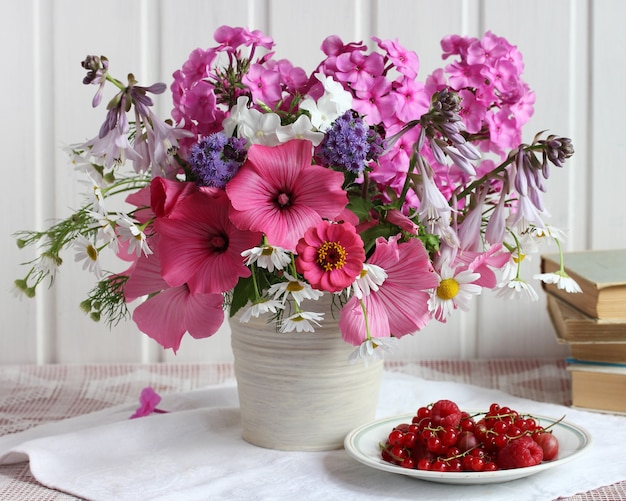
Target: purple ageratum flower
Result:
[350, 143]
[215, 159]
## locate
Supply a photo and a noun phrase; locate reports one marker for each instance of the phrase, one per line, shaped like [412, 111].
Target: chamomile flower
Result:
[454, 291]
[370, 279]
[134, 235]
[269, 257]
[561, 279]
[261, 307]
[373, 349]
[106, 230]
[86, 252]
[301, 321]
[298, 289]
[516, 288]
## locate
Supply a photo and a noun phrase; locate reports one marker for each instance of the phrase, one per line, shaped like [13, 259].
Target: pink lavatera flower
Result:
[200, 246]
[279, 192]
[170, 312]
[400, 305]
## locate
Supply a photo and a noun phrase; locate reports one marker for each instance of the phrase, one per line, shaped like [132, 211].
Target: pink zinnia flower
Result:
[330, 256]
[278, 192]
[199, 246]
[400, 305]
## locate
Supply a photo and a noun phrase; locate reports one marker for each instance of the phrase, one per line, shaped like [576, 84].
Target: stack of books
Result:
[593, 324]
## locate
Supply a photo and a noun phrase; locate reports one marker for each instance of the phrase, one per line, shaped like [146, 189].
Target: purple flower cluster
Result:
[350, 143]
[215, 159]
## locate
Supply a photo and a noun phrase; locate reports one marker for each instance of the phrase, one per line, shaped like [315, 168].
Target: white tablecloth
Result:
[196, 451]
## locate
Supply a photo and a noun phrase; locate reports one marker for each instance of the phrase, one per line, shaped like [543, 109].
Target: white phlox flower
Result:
[259, 308]
[268, 257]
[332, 104]
[301, 321]
[302, 128]
[370, 279]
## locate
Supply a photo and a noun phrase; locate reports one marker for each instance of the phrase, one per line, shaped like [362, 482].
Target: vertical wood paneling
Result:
[19, 317]
[569, 47]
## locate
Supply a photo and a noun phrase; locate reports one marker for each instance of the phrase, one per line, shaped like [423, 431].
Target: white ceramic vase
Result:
[299, 391]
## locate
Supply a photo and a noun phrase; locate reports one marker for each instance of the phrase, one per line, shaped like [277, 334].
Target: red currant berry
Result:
[395, 437]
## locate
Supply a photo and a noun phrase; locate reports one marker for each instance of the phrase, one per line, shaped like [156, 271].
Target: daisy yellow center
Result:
[363, 273]
[448, 288]
[519, 259]
[294, 286]
[331, 256]
[92, 252]
[267, 251]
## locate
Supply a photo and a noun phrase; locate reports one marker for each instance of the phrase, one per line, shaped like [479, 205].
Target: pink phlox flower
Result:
[279, 192]
[358, 70]
[375, 101]
[462, 75]
[455, 45]
[196, 68]
[148, 400]
[199, 103]
[257, 38]
[264, 85]
[230, 38]
[472, 111]
[293, 78]
[411, 100]
[400, 305]
[200, 246]
[405, 61]
[504, 135]
[330, 256]
[484, 263]
[487, 51]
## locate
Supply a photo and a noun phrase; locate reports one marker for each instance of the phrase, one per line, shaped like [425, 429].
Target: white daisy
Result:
[561, 279]
[261, 307]
[86, 252]
[131, 233]
[370, 279]
[515, 288]
[106, 230]
[455, 290]
[298, 289]
[372, 349]
[267, 257]
[301, 321]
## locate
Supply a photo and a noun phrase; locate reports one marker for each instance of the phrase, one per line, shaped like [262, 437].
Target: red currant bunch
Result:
[441, 437]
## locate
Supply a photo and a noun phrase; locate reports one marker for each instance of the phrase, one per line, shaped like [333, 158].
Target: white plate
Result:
[362, 444]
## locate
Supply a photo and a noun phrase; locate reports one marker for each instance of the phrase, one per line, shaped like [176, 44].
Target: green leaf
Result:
[242, 293]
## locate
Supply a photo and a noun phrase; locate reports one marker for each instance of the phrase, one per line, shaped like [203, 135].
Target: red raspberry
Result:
[445, 413]
[519, 453]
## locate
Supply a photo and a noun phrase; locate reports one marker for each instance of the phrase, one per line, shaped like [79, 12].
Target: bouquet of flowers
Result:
[270, 187]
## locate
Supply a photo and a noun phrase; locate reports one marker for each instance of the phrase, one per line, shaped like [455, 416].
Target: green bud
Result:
[85, 306]
[97, 305]
[95, 316]
[21, 284]
[21, 243]
[109, 177]
[30, 292]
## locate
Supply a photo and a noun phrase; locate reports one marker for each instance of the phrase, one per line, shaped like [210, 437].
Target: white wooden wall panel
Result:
[571, 49]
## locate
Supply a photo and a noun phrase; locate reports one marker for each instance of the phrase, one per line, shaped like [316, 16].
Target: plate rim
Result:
[460, 477]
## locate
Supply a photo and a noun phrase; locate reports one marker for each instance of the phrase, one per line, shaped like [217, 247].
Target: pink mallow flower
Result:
[169, 312]
[330, 256]
[400, 305]
[277, 191]
[200, 246]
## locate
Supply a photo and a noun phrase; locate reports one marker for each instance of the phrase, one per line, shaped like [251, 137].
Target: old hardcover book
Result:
[573, 326]
[601, 275]
[599, 387]
[599, 352]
